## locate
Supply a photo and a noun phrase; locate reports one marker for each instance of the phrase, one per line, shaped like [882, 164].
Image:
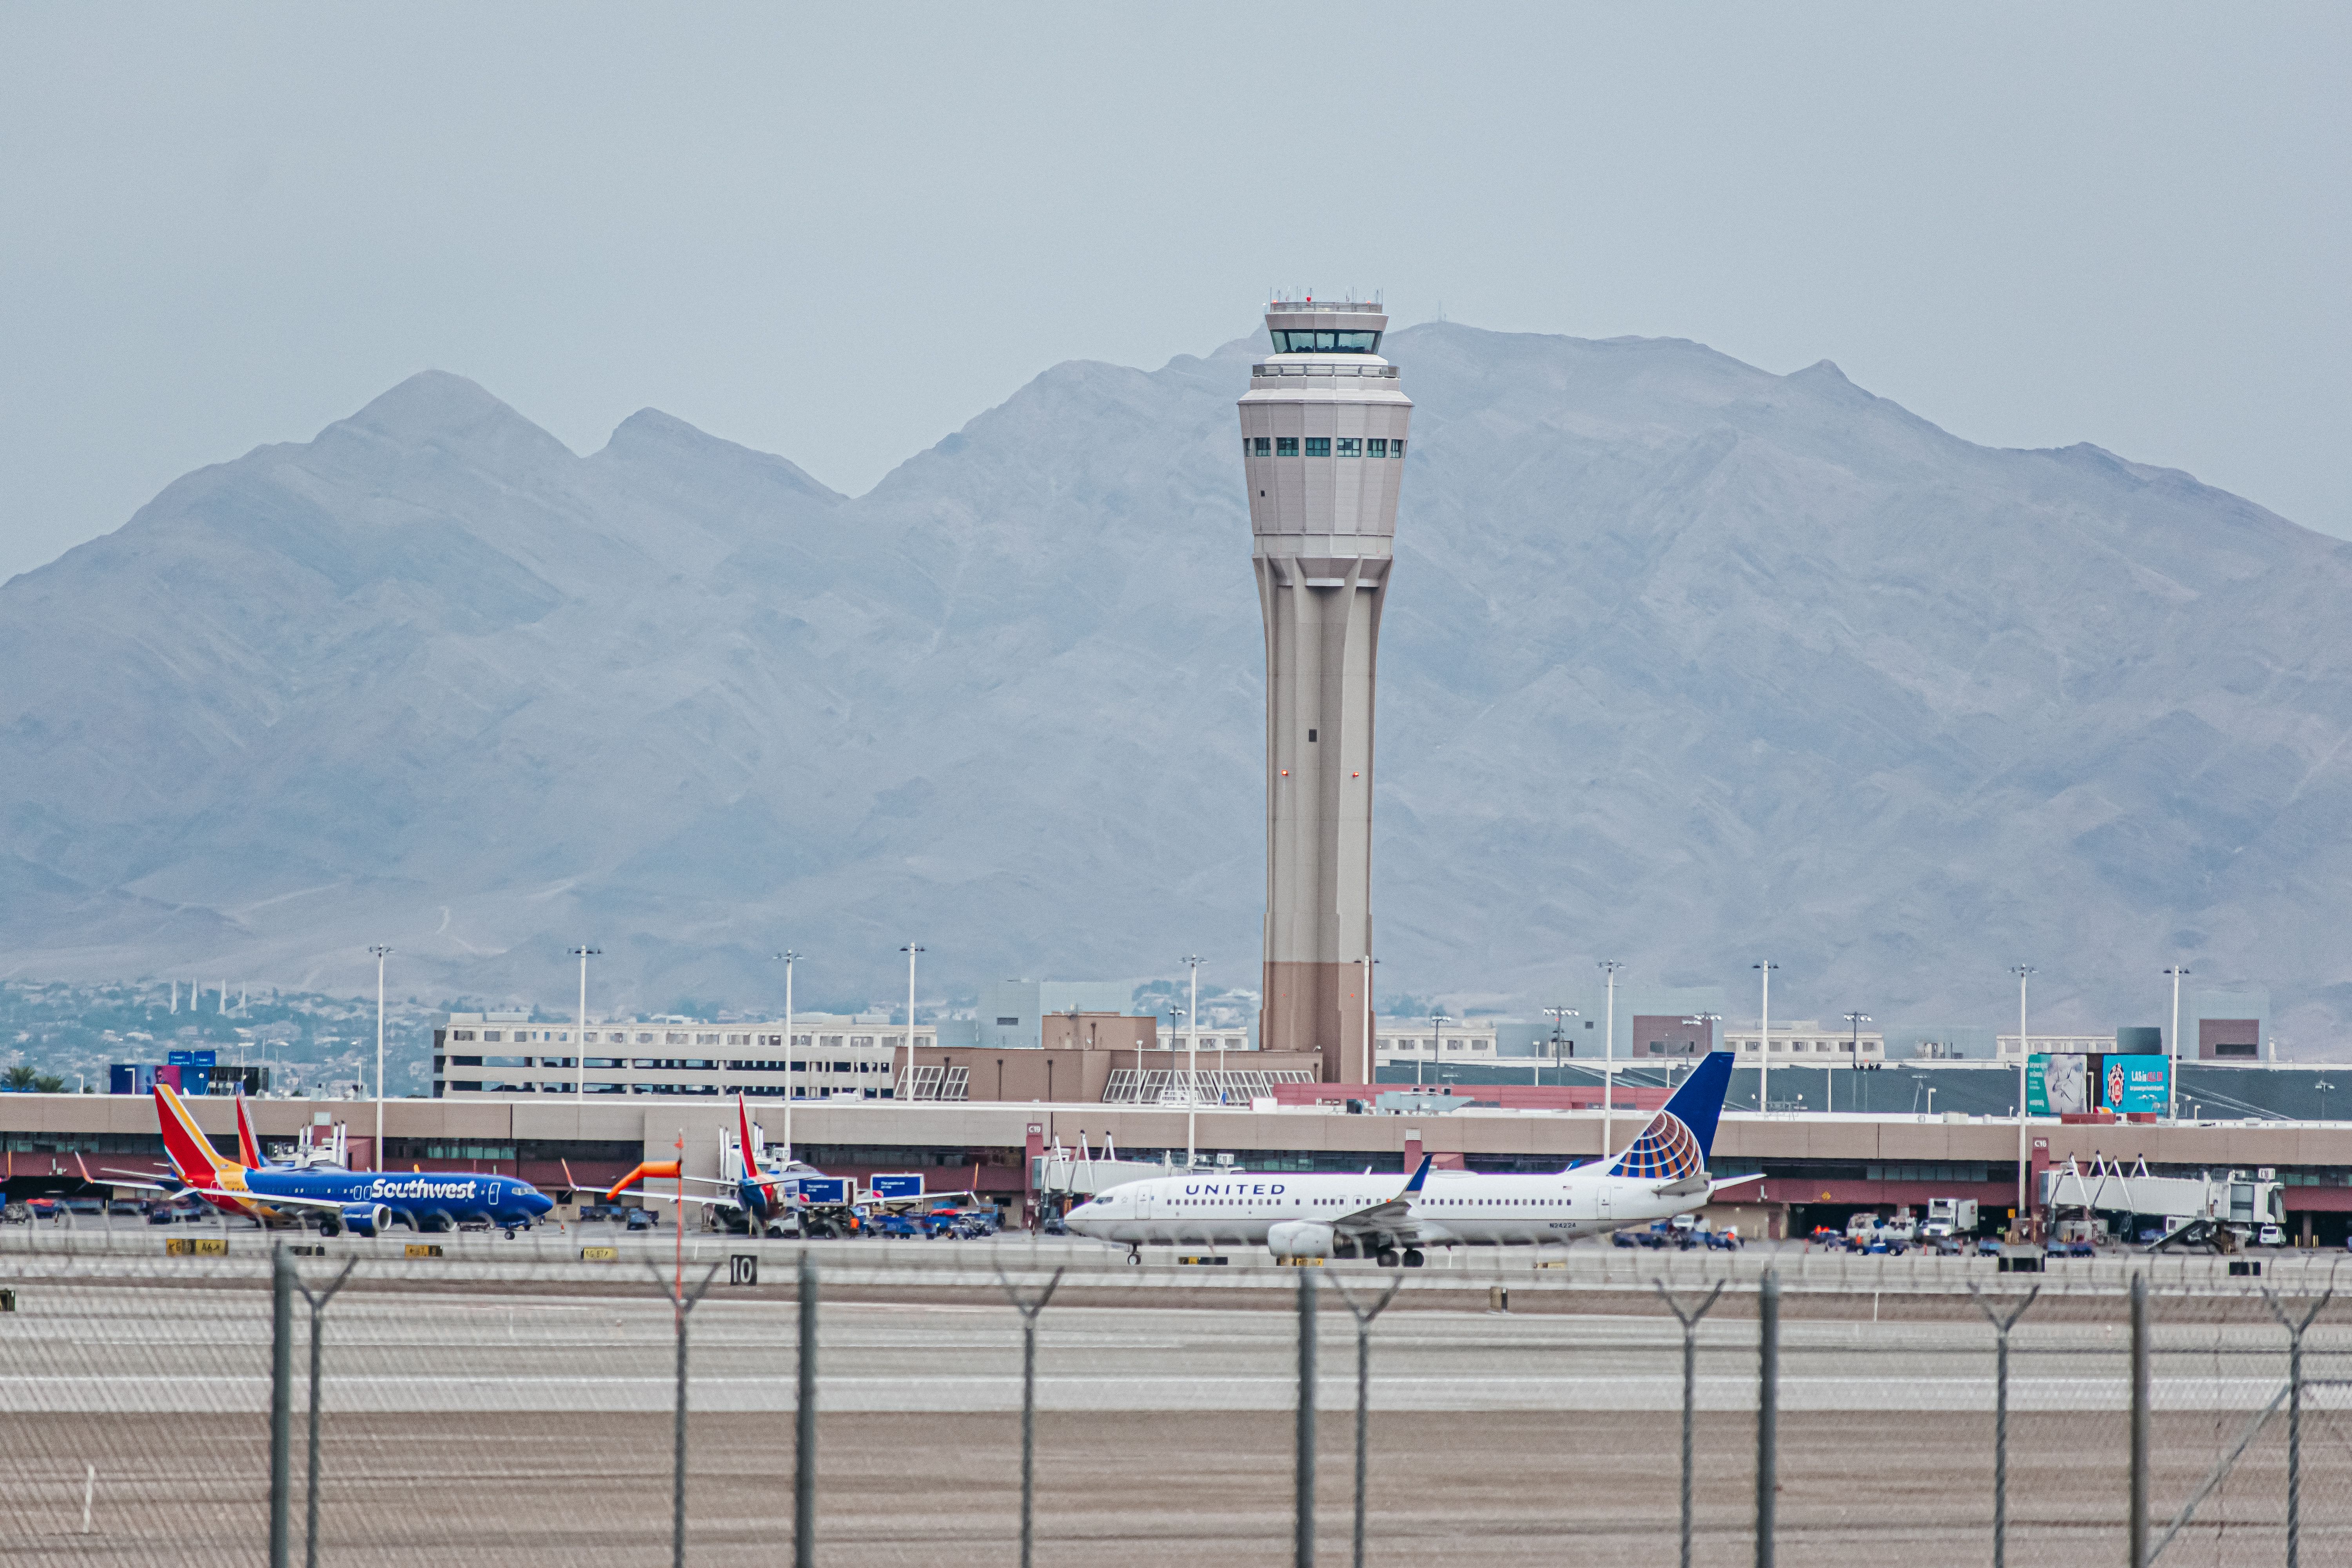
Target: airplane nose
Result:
[538, 1203]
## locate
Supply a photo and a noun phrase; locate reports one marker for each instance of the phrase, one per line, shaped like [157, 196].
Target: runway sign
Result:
[744, 1269]
[600, 1254]
[196, 1246]
[424, 1249]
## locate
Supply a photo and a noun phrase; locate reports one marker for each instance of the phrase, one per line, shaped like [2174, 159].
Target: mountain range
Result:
[1686, 665]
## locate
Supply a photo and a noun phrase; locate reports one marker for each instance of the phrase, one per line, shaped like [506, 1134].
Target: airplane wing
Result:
[731, 1202]
[1715, 1187]
[1393, 1218]
[272, 1199]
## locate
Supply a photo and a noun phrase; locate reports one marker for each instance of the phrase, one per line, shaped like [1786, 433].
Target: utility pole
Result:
[1559, 1017]
[583, 952]
[1853, 1051]
[381, 952]
[2172, 1067]
[2024, 1160]
[788, 958]
[1609, 966]
[1764, 1062]
[911, 950]
[1192, 1069]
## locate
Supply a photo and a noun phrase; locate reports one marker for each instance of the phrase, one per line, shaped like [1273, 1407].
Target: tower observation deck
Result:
[1323, 441]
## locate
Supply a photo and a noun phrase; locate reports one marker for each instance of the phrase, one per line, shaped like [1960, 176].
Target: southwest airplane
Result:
[362, 1202]
[1660, 1173]
[762, 1198]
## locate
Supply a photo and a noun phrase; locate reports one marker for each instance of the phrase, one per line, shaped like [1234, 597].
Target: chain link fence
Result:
[345, 1403]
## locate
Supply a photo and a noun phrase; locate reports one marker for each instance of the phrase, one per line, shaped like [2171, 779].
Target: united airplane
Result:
[362, 1202]
[1660, 1173]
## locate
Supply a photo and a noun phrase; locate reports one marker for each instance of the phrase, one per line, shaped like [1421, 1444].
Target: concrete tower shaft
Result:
[1323, 441]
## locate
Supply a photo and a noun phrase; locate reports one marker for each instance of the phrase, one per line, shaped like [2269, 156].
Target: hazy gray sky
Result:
[839, 232]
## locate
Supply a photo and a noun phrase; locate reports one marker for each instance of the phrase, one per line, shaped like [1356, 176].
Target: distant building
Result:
[1805, 1040]
[831, 1056]
[1665, 1034]
[1012, 1012]
[1399, 1041]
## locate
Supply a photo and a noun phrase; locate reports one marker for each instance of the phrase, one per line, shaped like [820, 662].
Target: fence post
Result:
[281, 1400]
[2000, 1419]
[310, 1476]
[1028, 1312]
[1768, 1412]
[1690, 1393]
[2294, 1419]
[1363, 1316]
[2139, 1396]
[1304, 1546]
[805, 1426]
[681, 1306]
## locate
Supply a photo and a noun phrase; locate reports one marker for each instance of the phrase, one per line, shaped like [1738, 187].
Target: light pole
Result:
[788, 958]
[2323, 1086]
[583, 953]
[1609, 966]
[1853, 1051]
[2172, 1067]
[381, 952]
[1559, 1017]
[2023, 972]
[1764, 1062]
[1436, 1046]
[1192, 1068]
[911, 950]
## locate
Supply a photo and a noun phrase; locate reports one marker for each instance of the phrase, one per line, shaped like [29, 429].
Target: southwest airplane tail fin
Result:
[185, 1144]
[1675, 1146]
[248, 1148]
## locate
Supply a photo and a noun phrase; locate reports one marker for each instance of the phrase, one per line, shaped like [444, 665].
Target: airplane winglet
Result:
[1412, 1188]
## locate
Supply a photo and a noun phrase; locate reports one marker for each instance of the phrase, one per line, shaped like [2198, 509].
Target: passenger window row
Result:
[1320, 446]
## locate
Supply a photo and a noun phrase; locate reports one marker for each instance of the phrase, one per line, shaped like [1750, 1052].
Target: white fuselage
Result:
[1455, 1209]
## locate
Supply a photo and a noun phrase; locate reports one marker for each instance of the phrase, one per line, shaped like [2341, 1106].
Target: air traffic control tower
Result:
[1323, 438]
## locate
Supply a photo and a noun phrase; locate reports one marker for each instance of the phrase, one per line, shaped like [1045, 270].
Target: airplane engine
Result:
[366, 1219]
[1299, 1238]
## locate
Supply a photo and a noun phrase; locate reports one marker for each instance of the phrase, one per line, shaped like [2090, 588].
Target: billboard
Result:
[2134, 1084]
[899, 1186]
[2056, 1085]
[830, 1190]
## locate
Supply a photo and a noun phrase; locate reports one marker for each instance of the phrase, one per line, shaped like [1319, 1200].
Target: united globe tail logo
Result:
[1668, 1151]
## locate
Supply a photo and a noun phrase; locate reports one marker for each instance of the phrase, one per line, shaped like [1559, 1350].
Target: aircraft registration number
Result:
[196, 1246]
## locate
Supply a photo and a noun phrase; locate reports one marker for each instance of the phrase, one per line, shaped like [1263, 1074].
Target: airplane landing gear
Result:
[1387, 1259]
[1135, 1253]
[510, 1233]
[1412, 1258]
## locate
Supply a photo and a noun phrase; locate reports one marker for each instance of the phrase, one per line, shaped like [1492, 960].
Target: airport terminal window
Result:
[1286, 446]
[1318, 445]
[1350, 447]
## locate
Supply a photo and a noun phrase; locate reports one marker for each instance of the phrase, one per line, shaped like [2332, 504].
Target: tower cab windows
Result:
[1350, 446]
[1322, 342]
[1318, 445]
[1286, 446]
[1261, 446]
[1376, 447]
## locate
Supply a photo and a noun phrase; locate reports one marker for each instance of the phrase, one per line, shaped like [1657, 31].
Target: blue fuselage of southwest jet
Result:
[425, 1199]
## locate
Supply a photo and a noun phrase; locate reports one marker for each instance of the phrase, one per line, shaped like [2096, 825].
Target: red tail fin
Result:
[190, 1153]
[248, 1149]
[751, 1164]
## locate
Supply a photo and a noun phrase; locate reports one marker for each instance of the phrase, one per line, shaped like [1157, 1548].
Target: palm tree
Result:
[20, 1078]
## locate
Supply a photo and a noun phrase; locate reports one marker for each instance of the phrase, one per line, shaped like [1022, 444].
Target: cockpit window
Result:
[1322, 342]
